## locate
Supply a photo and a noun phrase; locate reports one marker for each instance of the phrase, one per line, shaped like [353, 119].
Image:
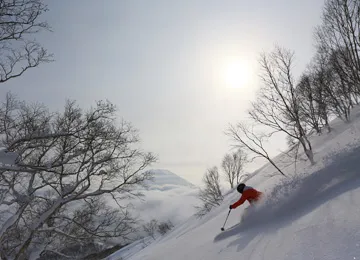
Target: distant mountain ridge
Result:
[167, 196]
[166, 180]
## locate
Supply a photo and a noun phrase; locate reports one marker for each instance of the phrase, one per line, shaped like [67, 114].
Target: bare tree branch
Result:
[277, 105]
[210, 195]
[232, 165]
[19, 20]
[246, 138]
[69, 164]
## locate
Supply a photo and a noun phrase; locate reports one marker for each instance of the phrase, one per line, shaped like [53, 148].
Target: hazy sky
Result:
[169, 66]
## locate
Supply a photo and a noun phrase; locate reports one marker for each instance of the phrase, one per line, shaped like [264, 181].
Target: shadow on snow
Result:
[296, 197]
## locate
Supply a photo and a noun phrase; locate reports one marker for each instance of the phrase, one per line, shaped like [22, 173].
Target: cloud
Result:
[176, 204]
[168, 197]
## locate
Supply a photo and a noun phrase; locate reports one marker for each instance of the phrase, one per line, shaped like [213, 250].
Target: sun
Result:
[236, 74]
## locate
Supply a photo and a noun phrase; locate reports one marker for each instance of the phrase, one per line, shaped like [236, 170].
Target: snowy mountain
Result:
[166, 180]
[311, 214]
[168, 196]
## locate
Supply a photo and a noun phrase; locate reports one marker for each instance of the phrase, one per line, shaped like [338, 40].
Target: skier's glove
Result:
[230, 207]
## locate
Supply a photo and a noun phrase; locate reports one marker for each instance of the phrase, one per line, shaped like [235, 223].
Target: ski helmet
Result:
[240, 187]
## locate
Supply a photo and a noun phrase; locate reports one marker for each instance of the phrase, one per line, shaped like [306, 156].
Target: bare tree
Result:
[341, 87]
[165, 227]
[309, 108]
[337, 39]
[70, 163]
[332, 91]
[246, 138]
[340, 30]
[210, 195]
[321, 79]
[233, 165]
[151, 227]
[19, 21]
[277, 105]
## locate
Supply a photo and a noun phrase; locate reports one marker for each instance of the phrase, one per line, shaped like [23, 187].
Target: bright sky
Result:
[180, 71]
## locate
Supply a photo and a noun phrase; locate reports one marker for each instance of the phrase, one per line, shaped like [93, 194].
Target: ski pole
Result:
[222, 229]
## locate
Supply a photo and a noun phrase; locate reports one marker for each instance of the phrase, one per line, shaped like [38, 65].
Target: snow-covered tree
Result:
[69, 165]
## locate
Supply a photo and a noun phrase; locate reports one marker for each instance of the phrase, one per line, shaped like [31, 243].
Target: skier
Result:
[249, 194]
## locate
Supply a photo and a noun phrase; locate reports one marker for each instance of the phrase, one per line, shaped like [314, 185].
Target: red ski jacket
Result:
[249, 194]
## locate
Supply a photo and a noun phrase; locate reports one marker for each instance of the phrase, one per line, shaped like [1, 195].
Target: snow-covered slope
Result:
[312, 214]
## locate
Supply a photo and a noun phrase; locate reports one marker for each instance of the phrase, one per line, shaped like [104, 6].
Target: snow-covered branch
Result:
[69, 162]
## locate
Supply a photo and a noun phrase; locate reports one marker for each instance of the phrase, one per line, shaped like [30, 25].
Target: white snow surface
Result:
[312, 214]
